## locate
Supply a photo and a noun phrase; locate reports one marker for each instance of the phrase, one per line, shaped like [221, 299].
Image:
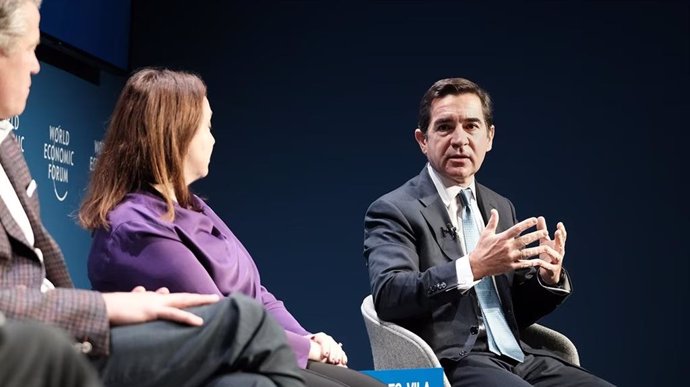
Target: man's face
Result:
[457, 138]
[18, 64]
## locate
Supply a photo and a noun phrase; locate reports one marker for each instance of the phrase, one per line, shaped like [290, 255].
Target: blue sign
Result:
[413, 377]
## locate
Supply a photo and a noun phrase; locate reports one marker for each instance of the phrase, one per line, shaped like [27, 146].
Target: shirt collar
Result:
[448, 190]
[5, 129]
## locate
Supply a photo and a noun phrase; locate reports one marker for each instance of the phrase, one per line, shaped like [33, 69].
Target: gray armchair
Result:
[394, 347]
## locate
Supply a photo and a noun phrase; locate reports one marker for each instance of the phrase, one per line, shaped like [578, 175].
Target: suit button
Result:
[443, 285]
[84, 347]
[474, 330]
[463, 353]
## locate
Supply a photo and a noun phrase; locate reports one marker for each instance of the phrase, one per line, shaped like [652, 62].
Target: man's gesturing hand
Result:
[506, 251]
[552, 257]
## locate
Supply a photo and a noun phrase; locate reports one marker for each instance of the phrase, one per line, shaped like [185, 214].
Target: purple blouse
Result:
[195, 253]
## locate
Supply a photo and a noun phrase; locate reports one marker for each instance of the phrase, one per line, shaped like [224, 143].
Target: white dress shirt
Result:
[448, 191]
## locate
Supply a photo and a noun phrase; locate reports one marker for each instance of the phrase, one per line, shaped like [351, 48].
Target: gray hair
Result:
[11, 23]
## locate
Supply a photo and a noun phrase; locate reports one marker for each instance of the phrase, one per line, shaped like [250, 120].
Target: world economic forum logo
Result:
[60, 158]
[14, 121]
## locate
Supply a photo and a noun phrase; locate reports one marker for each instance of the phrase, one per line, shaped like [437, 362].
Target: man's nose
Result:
[35, 65]
[459, 137]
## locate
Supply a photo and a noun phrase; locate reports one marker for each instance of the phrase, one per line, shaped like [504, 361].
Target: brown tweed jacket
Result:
[80, 312]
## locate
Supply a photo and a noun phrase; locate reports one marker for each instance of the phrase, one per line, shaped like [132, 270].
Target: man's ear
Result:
[490, 133]
[421, 139]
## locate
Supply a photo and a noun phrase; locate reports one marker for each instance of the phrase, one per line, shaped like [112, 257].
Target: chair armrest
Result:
[540, 337]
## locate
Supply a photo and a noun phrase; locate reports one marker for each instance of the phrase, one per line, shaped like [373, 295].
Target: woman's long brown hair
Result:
[154, 120]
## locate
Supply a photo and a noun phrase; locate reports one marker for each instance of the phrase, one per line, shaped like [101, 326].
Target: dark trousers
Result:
[329, 375]
[239, 345]
[36, 355]
[487, 370]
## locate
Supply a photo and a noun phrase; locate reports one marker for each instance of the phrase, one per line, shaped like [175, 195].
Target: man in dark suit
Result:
[138, 338]
[448, 259]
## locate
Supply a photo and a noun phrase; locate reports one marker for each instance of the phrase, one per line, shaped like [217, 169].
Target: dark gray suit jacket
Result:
[412, 270]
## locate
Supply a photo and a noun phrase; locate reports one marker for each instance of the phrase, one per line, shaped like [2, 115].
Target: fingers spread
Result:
[549, 267]
[526, 263]
[518, 228]
[560, 236]
[531, 252]
[493, 222]
[528, 238]
[549, 252]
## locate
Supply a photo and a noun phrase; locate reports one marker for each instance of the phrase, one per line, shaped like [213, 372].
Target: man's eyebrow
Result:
[443, 120]
[449, 119]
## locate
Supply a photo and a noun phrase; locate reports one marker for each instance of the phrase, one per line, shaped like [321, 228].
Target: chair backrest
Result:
[394, 347]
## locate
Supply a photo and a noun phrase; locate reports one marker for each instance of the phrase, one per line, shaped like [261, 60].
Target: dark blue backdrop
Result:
[78, 110]
[99, 28]
[315, 106]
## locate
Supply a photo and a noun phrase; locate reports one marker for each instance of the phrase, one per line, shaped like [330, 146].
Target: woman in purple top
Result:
[150, 230]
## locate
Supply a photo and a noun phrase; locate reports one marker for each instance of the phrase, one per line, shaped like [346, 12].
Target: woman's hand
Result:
[326, 350]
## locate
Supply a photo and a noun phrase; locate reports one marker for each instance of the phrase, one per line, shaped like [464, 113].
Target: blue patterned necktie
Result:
[499, 335]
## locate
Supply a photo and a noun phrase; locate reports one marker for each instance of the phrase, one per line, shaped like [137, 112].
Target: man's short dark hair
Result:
[454, 86]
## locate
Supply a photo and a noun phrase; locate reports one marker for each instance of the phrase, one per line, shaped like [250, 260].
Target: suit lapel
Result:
[12, 230]
[484, 203]
[17, 172]
[436, 215]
